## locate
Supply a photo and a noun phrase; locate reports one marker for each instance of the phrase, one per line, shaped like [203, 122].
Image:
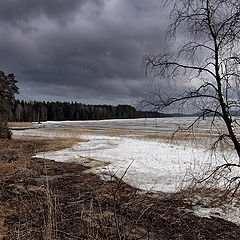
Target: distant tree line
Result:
[33, 111]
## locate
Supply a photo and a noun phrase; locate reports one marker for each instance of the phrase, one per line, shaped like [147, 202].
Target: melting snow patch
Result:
[155, 166]
[227, 212]
[151, 165]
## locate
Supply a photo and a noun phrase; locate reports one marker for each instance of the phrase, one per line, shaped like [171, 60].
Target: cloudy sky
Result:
[80, 50]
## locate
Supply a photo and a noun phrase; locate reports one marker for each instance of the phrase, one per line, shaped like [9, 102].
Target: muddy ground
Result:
[43, 199]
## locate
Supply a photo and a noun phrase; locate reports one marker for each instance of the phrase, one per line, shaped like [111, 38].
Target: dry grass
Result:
[207, 196]
[87, 131]
[16, 157]
[61, 140]
[22, 124]
[195, 139]
[43, 199]
[94, 163]
[62, 143]
[202, 140]
[181, 138]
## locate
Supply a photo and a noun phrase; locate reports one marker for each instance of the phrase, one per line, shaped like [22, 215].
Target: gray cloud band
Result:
[93, 48]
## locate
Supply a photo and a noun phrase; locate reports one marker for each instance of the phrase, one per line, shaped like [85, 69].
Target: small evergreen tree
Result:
[8, 89]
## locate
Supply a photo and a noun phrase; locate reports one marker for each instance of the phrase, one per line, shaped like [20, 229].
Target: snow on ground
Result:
[227, 211]
[151, 164]
[150, 125]
[154, 165]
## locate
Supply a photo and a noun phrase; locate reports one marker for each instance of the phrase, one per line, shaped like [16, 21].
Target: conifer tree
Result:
[8, 89]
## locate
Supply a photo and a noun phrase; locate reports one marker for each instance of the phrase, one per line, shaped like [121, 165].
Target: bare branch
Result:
[206, 65]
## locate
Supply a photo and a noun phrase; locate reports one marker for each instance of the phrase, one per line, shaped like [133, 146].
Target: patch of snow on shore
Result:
[227, 212]
[154, 166]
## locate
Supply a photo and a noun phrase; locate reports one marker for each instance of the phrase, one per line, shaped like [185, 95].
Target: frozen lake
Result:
[154, 163]
[123, 148]
[137, 126]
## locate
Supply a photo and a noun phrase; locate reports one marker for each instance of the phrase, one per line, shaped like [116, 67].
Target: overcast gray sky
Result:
[80, 50]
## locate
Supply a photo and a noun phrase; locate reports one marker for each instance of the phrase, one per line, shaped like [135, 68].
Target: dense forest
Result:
[23, 111]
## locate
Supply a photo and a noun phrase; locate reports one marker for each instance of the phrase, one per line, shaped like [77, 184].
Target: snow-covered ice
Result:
[154, 165]
[151, 164]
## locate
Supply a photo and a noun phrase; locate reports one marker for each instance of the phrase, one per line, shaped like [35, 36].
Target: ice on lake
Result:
[151, 163]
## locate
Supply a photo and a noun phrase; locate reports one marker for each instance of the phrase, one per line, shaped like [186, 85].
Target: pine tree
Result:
[7, 90]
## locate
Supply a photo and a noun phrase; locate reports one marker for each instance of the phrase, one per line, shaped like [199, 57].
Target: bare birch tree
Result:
[208, 59]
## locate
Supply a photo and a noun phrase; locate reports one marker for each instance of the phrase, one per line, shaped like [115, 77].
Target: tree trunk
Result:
[4, 130]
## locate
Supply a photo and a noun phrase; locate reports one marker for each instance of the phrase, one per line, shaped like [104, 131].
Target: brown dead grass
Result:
[16, 158]
[21, 124]
[43, 199]
[94, 163]
[196, 139]
[207, 196]
[204, 139]
[179, 137]
[88, 131]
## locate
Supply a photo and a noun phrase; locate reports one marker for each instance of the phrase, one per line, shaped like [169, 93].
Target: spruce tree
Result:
[8, 89]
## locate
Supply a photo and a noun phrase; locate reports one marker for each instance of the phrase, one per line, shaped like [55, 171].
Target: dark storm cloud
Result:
[80, 50]
[15, 11]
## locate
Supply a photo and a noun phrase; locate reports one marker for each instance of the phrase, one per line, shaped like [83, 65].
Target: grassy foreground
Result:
[43, 199]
